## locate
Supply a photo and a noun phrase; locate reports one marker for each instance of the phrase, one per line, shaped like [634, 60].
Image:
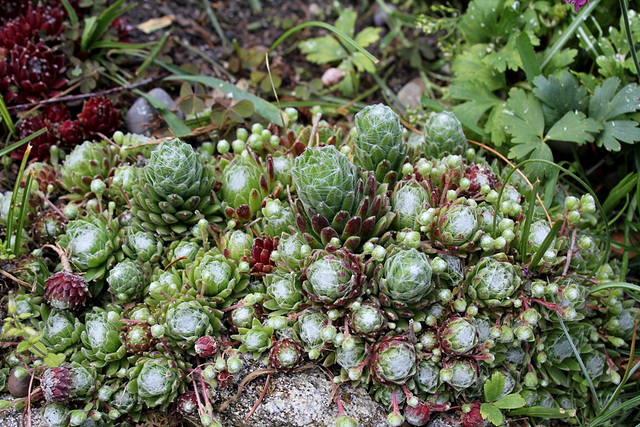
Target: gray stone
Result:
[411, 92]
[302, 398]
[143, 119]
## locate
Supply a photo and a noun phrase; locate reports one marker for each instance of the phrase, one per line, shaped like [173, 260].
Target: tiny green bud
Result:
[446, 375]
[444, 295]
[465, 183]
[531, 379]
[221, 364]
[255, 142]
[333, 314]
[274, 141]
[508, 235]
[379, 253]
[492, 196]
[407, 169]
[571, 203]
[98, 187]
[77, 417]
[265, 135]
[223, 146]
[585, 243]
[425, 168]
[499, 243]
[368, 248]
[486, 242]
[438, 265]
[335, 242]
[114, 414]
[573, 217]
[257, 128]
[242, 134]
[238, 145]
[292, 113]
[118, 137]
[472, 310]
[157, 331]
[460, 305]
[234, 364]
[451, 195]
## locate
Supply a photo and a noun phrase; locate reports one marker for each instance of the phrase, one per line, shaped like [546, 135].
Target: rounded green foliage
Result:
[443, 134]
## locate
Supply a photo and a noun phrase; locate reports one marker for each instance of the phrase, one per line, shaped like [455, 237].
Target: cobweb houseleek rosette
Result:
[101, 338]
[88, 161]
[156, 379]
[174, 191]
[332, 277]
[378, 142]
[216, 278]
[186, 319]
[402, 282]
[246, 181]
[333, 201]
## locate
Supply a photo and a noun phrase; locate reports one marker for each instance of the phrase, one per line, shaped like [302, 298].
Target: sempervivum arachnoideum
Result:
[403, 281]
[284, 292]
[66, 291]
[443, 134]
[393, 360]
[309, 325]
[367, 319]
[260, 259]
[137, 337]
[156, 379]
[333, 201]
[453, 225]
[458, 336]
[332, 277]
[87, 162]
[216, 277]
[68, 382]
[60, 330]
[285, 355]
[493, 280]
[126, 280]
[408, 200]
[174, 190]
[101, 337]
[246, 182]
[378, 142]
[142, 245]
[187, 319]
[94, 243]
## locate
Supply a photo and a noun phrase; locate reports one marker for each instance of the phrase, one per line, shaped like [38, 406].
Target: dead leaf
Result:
[154, 24]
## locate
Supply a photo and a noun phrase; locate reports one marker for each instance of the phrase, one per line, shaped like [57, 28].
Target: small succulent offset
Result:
[378, 142]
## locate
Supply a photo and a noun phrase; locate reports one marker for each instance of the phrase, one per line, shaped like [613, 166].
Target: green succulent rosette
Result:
[393, 360]
[55, 415]
[332, 277]
[236, 244]
[186, 319]
[246, 182]
[94, 242]
[458, 336]
[61, 330]
[333, 201]
[126, 281]
[492, 281]
[142, 245]
[455, 225]
[182, 253]
[409, 199]
[88, 161]
[276, 219]
[443, 134]
[427, 377]
[403, 281]
[217, 278]
[174, 190]
[378, 142]
[367, 320]
[292, 250]
[256, 339]
[284, 293]
[101, 337]
[156, 379]
[164, 284]
[120, 186]
[461, 374]
[309, 326]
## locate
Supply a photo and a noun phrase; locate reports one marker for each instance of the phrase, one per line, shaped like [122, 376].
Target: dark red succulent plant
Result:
[66, 291]
[15, 32]
[56, 383]
[137, 338]
[10, 9]
[37, 71]
[207, 346]
[187, 404]
[285, 355]
[473, 418]
[71, 133]
[5, 82]
[260, 259]
[45, 20]
[55, 113]
[40, 144]
[98, 115]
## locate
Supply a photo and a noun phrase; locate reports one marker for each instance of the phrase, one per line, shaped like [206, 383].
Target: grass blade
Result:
[546, 243]
[17, 248]
[580, 362]
[619, 191]
[154, 54]
[73, 17]
[6, 117]
[529, 219]
[10, 148]
[14, 196]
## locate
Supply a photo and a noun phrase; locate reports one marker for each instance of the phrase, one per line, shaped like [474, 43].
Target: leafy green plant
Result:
[496, 402]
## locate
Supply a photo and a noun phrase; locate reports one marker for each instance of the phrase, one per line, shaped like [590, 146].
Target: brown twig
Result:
[570, 252]
[15, 279]
[264, 392]
[241, 387]
[84, 95]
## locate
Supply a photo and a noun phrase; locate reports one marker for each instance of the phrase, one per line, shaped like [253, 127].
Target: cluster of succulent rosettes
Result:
[336, 204]
[87, 162]
[174, 191]
[156, 380]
